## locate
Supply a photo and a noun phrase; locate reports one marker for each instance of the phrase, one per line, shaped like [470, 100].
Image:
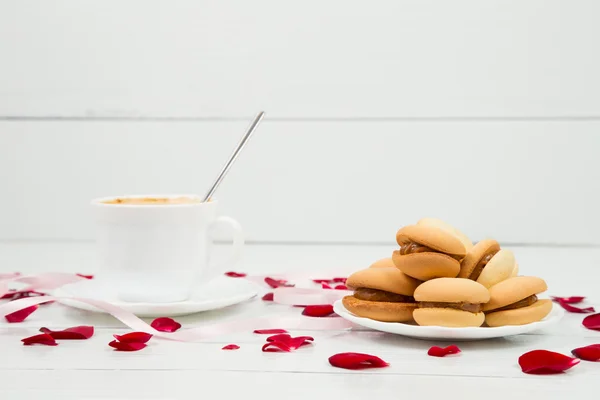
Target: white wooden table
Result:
[170, 370]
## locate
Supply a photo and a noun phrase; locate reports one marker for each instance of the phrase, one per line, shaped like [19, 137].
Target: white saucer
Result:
[219, 293]
[444, 333]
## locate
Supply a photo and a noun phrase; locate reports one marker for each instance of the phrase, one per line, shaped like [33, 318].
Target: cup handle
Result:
[236, 251]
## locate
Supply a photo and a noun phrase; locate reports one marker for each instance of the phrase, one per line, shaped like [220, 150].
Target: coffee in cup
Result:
[141, 201]
[157, 248]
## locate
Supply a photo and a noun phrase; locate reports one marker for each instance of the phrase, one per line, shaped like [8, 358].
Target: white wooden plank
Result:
[148, 385]
[406, 356]
[90, 369]
[530, 182]
[422, 58]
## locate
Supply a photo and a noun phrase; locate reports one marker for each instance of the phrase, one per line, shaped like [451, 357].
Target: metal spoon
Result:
[238, 149]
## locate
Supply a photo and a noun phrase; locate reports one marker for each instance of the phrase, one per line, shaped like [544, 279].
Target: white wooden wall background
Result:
[486, 114]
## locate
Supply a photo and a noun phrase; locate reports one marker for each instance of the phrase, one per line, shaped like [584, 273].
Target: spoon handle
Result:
[238, 149]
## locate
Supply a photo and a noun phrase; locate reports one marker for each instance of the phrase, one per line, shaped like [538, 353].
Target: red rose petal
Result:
[268, 297]
[321, 281]
[20, 294]
[42, 338]
[323, 310]
[19, 316]
[568, 300]
[299, 341]
[592, 322]
[292, 342]
[341, 287]
[275, 283]
[9, 294]
[587, 353]
[436, 351]
[339, 280]
[127, 346]
[356, 361]
[232, 274]
[285, 343]
[165, 324]
[282, 337]
[270, 331]
[85, 276]
[276, 346]
[545, 362]
[574, 309]
[133, 337]
[325, 286]
[230, 347]
[74, 333]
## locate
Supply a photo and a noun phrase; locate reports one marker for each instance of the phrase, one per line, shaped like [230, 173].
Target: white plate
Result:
[445, 333]
[219, 293]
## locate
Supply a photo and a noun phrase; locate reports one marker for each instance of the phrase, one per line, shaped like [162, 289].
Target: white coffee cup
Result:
[160, 253]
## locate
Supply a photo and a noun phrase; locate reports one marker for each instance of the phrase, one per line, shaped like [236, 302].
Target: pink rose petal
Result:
[341, 287]
[133, 337]
[165, 324]
[127, 346]
[587, 353]
[544, 362]
[74, 333]
[321, 281]
[592, 322]
[325, 286]
[42, 338]
[436, 351]
[85, 276]
[10, 275]
[230, 347]
[21, 315]
[357, 361]
[340, 280]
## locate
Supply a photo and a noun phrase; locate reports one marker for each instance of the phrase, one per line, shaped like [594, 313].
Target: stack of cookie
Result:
[438, 277]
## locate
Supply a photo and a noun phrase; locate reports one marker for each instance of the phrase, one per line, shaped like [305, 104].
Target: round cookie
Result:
[487, 247]
[426, 266]
[449, 228]
[428, 252]
[382, 294]
[432, 237]
[498, 269]
[514, 302]
[379, 311]
[382, 263]
[515, 271]
[447, 317]
[389, 279]
[487, 263]
[521, 316]
[450, 302]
